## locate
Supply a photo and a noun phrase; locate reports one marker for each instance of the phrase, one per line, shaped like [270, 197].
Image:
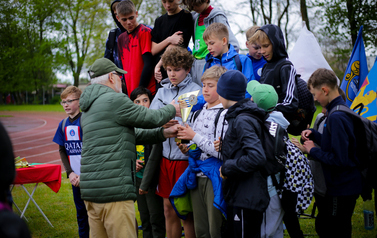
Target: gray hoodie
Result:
[163, 97]
[217, 15]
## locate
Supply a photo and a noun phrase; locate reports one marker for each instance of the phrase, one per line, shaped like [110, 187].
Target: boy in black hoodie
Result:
[111, 51]
[278, 71]
[244, 184]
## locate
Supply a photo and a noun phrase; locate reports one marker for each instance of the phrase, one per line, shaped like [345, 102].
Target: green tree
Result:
[26, 58]
[83, 34]
[343, 18]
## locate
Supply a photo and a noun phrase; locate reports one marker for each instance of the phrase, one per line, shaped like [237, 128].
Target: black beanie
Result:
[232, 85]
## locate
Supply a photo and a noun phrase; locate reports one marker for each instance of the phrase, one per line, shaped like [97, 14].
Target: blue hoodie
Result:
[257, 66]
[228, 62]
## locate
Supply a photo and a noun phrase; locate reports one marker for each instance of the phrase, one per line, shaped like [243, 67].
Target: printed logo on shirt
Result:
[259, 72]
[236, 218]
[73, 133]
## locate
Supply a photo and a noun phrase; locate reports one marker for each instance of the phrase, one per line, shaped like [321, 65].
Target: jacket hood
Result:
[279, 118]
[91, 93]
[167, 84]
[115, 18]
[276, 37]
[226, 57]
[245, 106]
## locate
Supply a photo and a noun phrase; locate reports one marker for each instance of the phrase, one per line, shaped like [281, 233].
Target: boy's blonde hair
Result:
[250, 32]
[218, 30]
[71, 90]
[177, 56]
[191, 3]
[323, 76]
[259, 37]
[125, 7]
[214, 73]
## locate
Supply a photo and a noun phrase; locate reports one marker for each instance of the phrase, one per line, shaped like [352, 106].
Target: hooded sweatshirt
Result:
[163, 97]
[111, 51]
[281, 77]
[216, 15]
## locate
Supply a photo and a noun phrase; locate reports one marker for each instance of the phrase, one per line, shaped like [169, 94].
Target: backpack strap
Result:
[237, 62]
[217, 119]
[208, 63]
[64, 122]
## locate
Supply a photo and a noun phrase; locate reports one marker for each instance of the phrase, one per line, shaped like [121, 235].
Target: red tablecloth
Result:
[50, 174]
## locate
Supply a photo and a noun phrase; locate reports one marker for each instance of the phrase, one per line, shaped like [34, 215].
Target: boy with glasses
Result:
[69, 138]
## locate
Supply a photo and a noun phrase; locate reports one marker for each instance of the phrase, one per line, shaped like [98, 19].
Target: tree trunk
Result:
[352, 21]
[304, 13]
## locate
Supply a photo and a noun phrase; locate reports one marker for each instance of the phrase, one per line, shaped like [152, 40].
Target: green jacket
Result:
[108, 154]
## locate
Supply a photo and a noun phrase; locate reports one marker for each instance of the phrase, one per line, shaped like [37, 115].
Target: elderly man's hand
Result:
[171, 131]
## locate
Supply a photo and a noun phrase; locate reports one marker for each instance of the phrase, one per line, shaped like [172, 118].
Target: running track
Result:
[31, 134]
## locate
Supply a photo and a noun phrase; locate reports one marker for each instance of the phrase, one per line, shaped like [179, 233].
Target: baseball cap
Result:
[103, 66]
[264, 95]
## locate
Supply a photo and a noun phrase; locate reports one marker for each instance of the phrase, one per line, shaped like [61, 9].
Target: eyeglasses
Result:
[68, 101]
[119, 75]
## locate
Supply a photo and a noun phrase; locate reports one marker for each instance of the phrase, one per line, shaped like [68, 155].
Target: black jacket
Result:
[277, 73]
[244, 158]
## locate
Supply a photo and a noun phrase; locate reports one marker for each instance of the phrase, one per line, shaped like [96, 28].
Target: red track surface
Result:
[31, 134]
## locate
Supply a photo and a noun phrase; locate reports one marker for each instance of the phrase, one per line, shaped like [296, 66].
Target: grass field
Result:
[33, 108]
[59, 207]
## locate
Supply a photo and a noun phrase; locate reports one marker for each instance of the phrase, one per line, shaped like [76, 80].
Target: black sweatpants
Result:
[289, 202]
[334, 216]
[243, 223]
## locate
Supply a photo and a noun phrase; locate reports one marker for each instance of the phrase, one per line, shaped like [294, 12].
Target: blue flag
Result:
[357, 70]
[367, 96]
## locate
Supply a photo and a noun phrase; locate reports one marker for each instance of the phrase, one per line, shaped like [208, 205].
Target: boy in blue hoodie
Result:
[337, 155]
[177, 61]
[255, 54]
[216, 37]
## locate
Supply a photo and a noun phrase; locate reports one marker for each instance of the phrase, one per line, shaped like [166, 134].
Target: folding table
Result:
[50, 174]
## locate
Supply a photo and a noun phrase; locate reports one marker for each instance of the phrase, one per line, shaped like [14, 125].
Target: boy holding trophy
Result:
[177, 61]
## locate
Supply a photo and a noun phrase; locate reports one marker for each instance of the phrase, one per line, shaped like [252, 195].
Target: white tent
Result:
[306, 55]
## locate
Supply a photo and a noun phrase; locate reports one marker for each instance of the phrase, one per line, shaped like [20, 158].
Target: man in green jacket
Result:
[109, 123]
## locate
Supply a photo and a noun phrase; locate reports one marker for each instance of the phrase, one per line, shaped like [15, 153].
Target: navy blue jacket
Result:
[338, 153]
[112, 54]
[244, 158]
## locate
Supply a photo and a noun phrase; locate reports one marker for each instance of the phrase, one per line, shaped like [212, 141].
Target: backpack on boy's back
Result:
[366, 142]
[285, 158]
[306, 108]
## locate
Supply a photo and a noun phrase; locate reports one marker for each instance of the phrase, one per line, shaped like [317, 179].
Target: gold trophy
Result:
[186, 101]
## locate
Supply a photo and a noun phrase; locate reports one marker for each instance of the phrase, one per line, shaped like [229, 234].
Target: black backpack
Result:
[366, 142]
[306, 107]
[273, 138]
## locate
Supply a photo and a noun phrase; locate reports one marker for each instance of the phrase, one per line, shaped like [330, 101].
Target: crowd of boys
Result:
[216, 185]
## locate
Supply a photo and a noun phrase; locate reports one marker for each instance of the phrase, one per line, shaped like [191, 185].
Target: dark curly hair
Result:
[177, 56]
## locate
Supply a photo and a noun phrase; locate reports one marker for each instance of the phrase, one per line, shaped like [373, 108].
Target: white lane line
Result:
[34, 134]
[44, 123]
[34, 147]
[45, 153]
[51, 162]
[30, 141]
